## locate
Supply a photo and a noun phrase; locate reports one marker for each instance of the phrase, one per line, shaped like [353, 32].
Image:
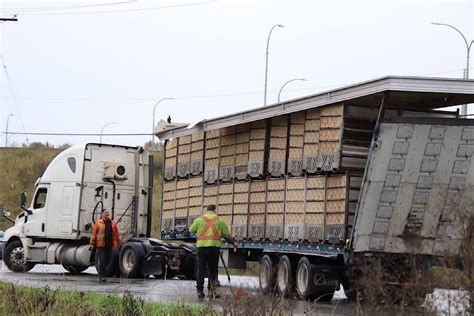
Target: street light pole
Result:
[6, 130]
[102, 130]
[468, 48]
[154, 108]
[296, 79]
[266, 62]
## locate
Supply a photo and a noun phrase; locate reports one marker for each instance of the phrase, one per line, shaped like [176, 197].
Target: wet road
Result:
[164, 291]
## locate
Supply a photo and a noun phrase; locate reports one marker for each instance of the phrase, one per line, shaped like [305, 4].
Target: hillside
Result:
[20, 167]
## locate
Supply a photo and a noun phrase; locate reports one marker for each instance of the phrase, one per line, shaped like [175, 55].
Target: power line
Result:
[20, 10]
[14, 99]
[125, 10]
[79, 134]
[79, 99]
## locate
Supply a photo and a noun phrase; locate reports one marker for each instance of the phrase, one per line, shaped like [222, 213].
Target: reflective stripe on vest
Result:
[101, 233]
[210, 224]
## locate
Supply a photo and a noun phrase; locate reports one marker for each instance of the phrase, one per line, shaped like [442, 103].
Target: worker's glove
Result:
[91, 247]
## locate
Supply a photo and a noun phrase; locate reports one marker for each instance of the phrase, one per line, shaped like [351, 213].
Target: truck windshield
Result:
[40, 198]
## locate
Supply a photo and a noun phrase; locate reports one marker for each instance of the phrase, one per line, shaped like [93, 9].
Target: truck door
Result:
[35, 222]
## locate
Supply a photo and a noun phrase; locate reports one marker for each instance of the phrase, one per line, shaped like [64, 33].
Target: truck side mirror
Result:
[23, 200]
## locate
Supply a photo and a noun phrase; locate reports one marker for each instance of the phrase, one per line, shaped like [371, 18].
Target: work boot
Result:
[200, 294]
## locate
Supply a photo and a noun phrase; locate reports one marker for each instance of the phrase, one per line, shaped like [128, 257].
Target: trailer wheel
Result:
[14, 257]
[303, 278]
[130, 260]
[285, 282]
[267, 275]
[74, 269]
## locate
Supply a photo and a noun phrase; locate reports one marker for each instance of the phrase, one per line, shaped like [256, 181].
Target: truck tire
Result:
[303, 279]
[285, 280]
[74, 269]
[112, 268]
[130, 260]
[267, 275]
[304, 286]
[14, 257]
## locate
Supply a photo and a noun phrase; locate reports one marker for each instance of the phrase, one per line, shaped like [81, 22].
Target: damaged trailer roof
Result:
[407, 93]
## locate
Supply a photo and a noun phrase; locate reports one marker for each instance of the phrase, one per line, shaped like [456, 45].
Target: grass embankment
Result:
[17, 300]
[20, 167]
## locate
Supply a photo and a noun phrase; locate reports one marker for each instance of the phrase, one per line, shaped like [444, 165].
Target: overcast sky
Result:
[76, 65]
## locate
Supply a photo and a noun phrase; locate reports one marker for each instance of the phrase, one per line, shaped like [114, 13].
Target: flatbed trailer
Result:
[316, 186]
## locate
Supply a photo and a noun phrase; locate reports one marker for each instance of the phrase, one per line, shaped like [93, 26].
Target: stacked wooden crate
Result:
[211, 165]
[311, 141]
[197, 154]
[184, 156]
[195, 198]
[336, 199]
[169, 193]
[295, 208]
[181, 204]
[256, 149]
[296, 142]
[227, 154]
[242, 151]
[240, 210]
[315, 208]
[257, 208]
[275, 211]
[224, 202]
[171, 152]
[278, 146]
[330, 137]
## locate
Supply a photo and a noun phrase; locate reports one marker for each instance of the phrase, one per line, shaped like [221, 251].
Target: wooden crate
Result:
[181, 202]
[315, 194]
[195, 211]
[241, 198]
[239, 226]
[257, 208]
[295, 195]
[275, 207]
[295, 183]
[313, 114]
[311, 125]
[258, 186]
[224, 209]
[257, 197]
[274, 226]
[241, 208]
[316, 182]
[197, 191]
[315, 207]
[208, 200]
[336, 206]
[294, 227]
[330, 135]
[195, 201]
[213, 133]
[224, 199]
[256, 226]
[226, 188]
[297, 129]
[183, 193]
[276, 184]
[275, 196]
[331, 122]
[182, 212]
[332, 110]
[168, 205]
[295, 207]
[241, 187]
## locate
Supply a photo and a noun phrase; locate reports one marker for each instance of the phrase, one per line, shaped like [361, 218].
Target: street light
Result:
[154, 108]
[102, 130]
[6, 130]
[266, 62]
[468, 48]
[296, 79]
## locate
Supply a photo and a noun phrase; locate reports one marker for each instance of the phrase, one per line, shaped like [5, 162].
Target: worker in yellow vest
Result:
[209, 230]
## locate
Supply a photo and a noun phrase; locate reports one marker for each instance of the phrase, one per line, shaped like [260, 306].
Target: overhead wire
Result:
[125, 10]
[84, 6]
[92, 99]
[14, 98]
[78, 134]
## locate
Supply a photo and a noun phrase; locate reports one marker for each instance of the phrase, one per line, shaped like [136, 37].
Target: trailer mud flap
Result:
[152, 264]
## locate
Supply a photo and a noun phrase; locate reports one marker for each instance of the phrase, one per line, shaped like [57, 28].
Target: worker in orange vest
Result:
[105, 237]
[209, 230]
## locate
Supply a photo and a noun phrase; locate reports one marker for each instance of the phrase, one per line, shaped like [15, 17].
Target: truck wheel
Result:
[130, 260]
[267, 275]
[303, 278]
[285, 282]
[14, 257]
[74, 269]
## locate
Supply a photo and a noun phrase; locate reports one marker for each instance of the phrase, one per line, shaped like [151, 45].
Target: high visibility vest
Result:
[209, 231]
[98, 234]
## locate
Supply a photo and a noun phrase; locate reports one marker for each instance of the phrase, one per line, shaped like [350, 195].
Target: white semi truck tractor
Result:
[70, 196]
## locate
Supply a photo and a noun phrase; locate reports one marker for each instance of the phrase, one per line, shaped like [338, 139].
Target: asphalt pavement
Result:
[151, 289]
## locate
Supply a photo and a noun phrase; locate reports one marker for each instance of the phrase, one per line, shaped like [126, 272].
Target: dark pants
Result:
[104, 256]
[207, 257]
